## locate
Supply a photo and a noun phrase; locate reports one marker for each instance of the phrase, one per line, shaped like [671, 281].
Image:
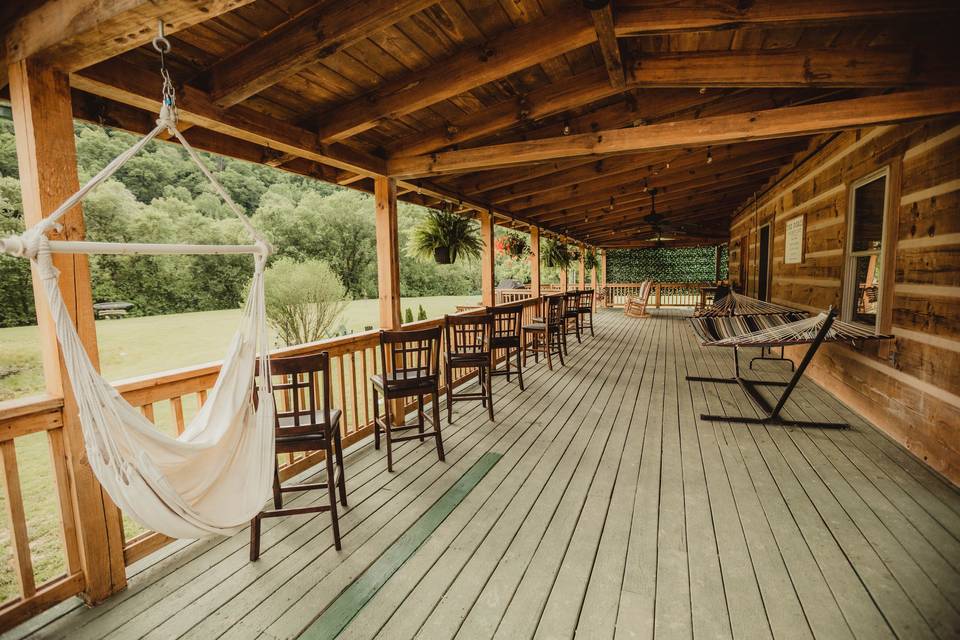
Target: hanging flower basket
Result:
[444, 236]
[513, 245]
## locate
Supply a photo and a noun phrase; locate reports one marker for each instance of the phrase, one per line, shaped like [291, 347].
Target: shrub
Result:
[408, 316]
[421, 313]
[303, 299]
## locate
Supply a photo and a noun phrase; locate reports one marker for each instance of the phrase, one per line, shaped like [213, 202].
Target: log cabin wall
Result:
[909, 387]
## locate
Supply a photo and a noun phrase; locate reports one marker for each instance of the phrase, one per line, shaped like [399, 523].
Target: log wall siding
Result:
[910, 388]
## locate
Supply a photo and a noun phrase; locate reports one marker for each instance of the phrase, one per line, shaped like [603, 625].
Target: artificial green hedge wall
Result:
[693, 264]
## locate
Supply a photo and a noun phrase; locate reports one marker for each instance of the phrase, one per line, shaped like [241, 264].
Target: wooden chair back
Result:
[468, 335]
[555, 307]
[301, 394]
[409, 357]
[586, 299]
[506, 320]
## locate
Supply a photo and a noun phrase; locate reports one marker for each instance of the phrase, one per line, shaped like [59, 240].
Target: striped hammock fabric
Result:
[731, 332]
[735, 304]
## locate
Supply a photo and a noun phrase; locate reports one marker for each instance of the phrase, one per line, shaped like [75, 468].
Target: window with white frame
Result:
[862, 287]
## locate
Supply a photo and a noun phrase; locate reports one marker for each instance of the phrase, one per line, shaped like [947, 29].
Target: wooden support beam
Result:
[757, 125]
[507, 53]
[487, 259]
[43, 124]
[609, 49]
[122, 82]
[648, 17]
[603, 269]
[851, 68]
[535, 261]
[388, 252]
[320, 31]
[74, 34]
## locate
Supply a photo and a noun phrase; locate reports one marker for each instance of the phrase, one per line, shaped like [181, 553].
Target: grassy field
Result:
[129, 347]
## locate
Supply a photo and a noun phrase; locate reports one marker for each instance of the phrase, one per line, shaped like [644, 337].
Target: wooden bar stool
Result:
[547, 332]
[410, 365]
[571, 316]
[585, 310]
[506, 336]
[468, 347]
[302, 424]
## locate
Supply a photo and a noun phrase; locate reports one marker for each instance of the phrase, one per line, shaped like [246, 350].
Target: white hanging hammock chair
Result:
[214, 477]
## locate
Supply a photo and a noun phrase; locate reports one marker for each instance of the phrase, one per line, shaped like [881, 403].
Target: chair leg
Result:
[436, 425]
[507, 358]
[560, 352]
[449, 377]
[277, 494]
[576, 325]
[591, 324]
[481, 379]
[338, 452]
[420, 416]
[549, 358]
[255, 538]
[387, 423]
[489, 371]
[376, 419]
[332, 493]
[519, 370]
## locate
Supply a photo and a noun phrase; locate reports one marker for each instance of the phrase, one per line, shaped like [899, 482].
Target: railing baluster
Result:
[61, 478]
[354, 394]
[176, 403]
[19, 540]
[147, 411]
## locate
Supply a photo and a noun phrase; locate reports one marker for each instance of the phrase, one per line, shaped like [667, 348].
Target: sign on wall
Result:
[793, 249]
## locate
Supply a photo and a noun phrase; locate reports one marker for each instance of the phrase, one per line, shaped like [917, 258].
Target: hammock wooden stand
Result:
[751, 388]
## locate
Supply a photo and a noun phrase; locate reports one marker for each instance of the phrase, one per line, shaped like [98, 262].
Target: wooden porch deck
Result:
[614, 511]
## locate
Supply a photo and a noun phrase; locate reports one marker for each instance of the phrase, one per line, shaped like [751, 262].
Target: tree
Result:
[303, 299]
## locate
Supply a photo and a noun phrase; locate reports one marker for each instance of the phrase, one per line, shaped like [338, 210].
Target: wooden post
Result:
[388, 267]
[535, 261]
[388, 252]
[47, 157]
[593, 276]
[603, 269]
[658, 295]
[582, 270]
[487, 262]
[563, 280]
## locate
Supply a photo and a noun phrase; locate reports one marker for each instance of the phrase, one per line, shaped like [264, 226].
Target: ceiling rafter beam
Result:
[506, 53]
[602, 14]
[313, 34]
[756, 125]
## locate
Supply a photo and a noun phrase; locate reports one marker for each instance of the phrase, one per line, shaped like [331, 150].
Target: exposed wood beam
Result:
[74, 34]
[756, 125]
[648, 17]
[607, 40]
[866, 67]
[314, 34]
[507, 53]
[123, 82]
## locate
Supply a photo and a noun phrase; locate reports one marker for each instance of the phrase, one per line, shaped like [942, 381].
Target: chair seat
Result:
[468, 360]
[535, 326]
[570, 313]
[406, 380]
[287, 421]
[504, 341]
[585, 309]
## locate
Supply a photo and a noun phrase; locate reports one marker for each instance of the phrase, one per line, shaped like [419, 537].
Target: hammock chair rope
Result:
[803, 331]
[215, 476]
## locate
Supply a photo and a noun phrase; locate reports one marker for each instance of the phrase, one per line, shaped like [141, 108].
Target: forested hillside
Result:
[160, 196]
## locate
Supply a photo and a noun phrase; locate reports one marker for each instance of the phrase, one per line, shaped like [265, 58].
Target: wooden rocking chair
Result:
[636, 306]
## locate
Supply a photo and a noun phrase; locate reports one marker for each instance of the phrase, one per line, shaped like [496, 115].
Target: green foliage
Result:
[444, 229]
[591, 260]
[160, 196]
[557, 254]
[513, 244]
[680, 264]
[408, 315]
[303, 299]
[421, 312]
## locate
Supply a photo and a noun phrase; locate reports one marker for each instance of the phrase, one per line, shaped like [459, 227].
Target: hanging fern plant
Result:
[514, 245]
[591, 260]
[444, 236]
[557, 254]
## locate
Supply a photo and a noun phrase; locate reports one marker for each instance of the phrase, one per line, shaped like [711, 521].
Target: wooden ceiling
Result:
[568, 115]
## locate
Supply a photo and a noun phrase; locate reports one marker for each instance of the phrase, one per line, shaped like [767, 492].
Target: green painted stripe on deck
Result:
[349, 603]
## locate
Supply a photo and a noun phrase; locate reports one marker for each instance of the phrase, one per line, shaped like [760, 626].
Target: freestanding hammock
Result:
[218, 473]
[814, 331]
[736, 314]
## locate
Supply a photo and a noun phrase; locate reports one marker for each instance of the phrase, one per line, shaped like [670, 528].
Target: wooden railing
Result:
[509, 296]
[662, 294]
[169, 400]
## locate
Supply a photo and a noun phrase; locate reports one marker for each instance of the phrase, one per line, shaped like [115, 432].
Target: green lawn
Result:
[129, 347]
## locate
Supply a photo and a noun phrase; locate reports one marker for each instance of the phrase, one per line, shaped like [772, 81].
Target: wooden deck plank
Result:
[615, 511]
[429, 574]
[746, 610]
